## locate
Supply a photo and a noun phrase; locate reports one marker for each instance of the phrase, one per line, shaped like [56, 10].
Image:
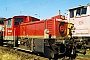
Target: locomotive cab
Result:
[12, 29]
[10, 34]
[80, 17]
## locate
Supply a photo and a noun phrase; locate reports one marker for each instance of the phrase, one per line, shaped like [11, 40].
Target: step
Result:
[4, 42]
[4, 45]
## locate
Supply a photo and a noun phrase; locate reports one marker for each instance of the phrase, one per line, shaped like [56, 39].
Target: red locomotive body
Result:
[57, 27]
[32, 29]
[29, 33]
[36, 29]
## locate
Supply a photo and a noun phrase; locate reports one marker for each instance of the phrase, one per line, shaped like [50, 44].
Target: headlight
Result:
[46, 31]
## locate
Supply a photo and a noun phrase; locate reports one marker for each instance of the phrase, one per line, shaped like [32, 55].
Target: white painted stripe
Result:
[10, 38]
[81, 35]
[22, 49]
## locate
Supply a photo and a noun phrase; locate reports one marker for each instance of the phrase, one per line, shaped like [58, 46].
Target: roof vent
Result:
[80, 5]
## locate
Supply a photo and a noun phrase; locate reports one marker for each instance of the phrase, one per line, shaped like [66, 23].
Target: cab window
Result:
[84, 10]
[71, 13]
[78, 12]
[17, 21]
[9, 23]
[1, 22]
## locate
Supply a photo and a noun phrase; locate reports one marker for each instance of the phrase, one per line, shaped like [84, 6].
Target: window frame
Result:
[78, 12]
[9, 23]
[18, 21]
[71, 13]
[85, 11]
[81, 11]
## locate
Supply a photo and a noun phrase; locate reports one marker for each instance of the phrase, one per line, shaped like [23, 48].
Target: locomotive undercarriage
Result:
[82, 44]
[51, 48]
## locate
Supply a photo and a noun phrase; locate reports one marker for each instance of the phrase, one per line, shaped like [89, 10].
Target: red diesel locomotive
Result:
[41, 36]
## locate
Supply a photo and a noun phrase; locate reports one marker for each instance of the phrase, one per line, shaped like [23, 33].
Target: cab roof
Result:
[80, 6]
[76, 7]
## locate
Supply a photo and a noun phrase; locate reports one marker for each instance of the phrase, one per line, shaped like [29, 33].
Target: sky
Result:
[41, 9]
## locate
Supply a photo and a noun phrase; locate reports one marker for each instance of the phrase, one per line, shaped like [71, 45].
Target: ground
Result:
[7, 55]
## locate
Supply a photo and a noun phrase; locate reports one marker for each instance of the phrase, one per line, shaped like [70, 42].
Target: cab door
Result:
[8, 32]
[16, 29]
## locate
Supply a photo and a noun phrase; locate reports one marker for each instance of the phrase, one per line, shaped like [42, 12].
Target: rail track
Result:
[23, 55]
[30, 56]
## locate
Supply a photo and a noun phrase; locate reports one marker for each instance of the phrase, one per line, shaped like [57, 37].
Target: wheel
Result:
[49, 53]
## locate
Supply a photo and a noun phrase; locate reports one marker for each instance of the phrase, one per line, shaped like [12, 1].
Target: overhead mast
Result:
[59, 12]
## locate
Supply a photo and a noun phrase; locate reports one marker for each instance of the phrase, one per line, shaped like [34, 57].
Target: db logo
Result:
[61, 28]
[80, 22]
